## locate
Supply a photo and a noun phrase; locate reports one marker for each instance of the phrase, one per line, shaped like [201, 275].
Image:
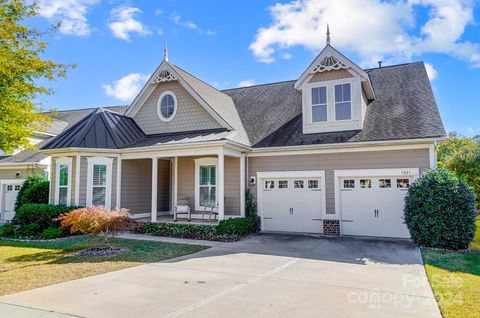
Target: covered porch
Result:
[151, 185]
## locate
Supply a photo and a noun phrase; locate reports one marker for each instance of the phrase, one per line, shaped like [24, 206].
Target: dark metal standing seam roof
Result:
[101, 129]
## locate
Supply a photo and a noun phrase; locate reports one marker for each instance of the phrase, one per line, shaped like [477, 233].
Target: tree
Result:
[461, 155]
[21, 67]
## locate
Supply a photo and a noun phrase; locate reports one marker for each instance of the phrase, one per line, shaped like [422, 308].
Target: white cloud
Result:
[431, 71]
[70, 13]
[127, 87]
[177, 19]
[123, 23]
[375, 29]
[245, 83]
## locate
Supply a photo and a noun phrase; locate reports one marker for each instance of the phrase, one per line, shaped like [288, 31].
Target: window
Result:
[99, 182]
[207, 186]
[385, 183]
[403, 183]
[313, 184]
[9, 187]
[283, 184]
[99, 186]
[167, 106]
[319, 104]
[365, 183]
[298, 184]
[17, 187]
[269, 184]
[343, 102]
[63, 180]
[349, 184]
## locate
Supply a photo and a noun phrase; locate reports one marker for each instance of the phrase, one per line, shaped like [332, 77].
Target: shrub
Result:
[239, 226]
[52, 233]
[249, 204]
[8, 230]
[41, 214]
[440, 211]
[34, 190]
[32, 229]
[190, 231]
[95, 221]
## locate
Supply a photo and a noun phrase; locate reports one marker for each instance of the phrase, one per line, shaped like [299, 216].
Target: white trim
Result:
[154, 189]
[108, 190]
[220, 188]
[334, 148]
[207, 161]
[338, 174]
[77, 179]
[119, 183]
[68, 162]
[289, 174]
[159, 101]
[2, 183]
[242, 185]
[175, 183]
[432, 154]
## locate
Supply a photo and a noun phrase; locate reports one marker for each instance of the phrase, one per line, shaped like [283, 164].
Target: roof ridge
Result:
[83, 108]
[394, 65]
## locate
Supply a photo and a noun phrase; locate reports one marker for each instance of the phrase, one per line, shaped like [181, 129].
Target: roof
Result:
[404, 108]
[24, 156]
[182, 137]
[101, 129]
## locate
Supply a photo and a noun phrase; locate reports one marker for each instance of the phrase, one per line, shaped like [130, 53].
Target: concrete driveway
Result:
[261, 276]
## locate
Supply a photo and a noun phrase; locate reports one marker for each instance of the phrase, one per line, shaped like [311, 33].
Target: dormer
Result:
[335, 93]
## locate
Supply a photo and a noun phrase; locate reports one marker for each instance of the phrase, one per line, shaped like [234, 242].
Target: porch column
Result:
[221, 182]
[119, 183]
[242, 185]
[154, 188]
[175, 183]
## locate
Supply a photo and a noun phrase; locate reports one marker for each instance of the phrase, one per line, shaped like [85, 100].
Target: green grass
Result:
[455, 279]
[27, 265]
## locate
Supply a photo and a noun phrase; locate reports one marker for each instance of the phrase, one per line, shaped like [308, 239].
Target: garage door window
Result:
[349, 184]
[313, 184]
[365, 183]
[298, 184]
[283, 184]
[403, 183]
[269, 184]
[385, 183]
[9, 187]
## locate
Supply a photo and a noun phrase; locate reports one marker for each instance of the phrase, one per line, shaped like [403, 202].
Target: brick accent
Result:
[331, 227]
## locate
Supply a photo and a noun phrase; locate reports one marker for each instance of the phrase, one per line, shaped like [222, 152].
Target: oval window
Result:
[167, 106]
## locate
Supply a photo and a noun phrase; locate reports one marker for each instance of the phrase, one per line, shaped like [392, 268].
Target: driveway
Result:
[262, 276]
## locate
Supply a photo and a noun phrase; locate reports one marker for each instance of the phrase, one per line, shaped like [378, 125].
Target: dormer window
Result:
[319, 104]
[343, 102]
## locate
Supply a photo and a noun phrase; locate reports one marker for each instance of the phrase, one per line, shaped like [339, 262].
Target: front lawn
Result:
[455, 279]
[27, 265]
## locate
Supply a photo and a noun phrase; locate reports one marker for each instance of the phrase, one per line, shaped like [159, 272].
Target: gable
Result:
[190, 114]
[330, 76]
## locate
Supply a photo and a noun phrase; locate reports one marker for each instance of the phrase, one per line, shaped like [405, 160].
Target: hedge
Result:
[440, 211]
[34, 189]
[39, 217]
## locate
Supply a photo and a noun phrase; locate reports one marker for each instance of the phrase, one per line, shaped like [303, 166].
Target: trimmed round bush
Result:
[34, 189]
[239, 226]
[40, 214]
[440, 211]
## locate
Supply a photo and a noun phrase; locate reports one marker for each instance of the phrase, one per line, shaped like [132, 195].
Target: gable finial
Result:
[328, 35]
[165, 53]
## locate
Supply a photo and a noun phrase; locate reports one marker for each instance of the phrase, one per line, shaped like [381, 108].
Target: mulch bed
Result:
[102, 251]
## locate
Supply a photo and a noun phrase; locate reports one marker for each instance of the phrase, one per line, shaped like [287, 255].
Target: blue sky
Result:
[117, 44]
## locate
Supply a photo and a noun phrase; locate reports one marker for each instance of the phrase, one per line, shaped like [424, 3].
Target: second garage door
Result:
[292, 204]
[373, 206]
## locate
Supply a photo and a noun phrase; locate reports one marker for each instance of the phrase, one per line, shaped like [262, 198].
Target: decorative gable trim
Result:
[165, 72]
[163, 76]
[330, 59]
[329, 63]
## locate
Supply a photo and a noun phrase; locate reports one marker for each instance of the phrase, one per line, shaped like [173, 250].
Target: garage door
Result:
[292, 204]
[10, 192]
[373, 206]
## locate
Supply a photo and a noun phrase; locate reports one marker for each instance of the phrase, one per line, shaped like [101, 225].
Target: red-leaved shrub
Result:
[97, 221]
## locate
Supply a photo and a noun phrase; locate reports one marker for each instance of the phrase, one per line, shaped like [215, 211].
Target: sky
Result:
[117, 44]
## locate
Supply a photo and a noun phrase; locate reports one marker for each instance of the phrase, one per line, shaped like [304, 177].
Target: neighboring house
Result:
[331, 152]
[14, 168]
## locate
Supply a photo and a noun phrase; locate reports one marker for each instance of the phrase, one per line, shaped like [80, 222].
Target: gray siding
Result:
[416, 158]
[190, 114]
[136, 185]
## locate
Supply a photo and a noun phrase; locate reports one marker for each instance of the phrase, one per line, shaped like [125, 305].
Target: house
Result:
[331, 152]
[15, 167]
